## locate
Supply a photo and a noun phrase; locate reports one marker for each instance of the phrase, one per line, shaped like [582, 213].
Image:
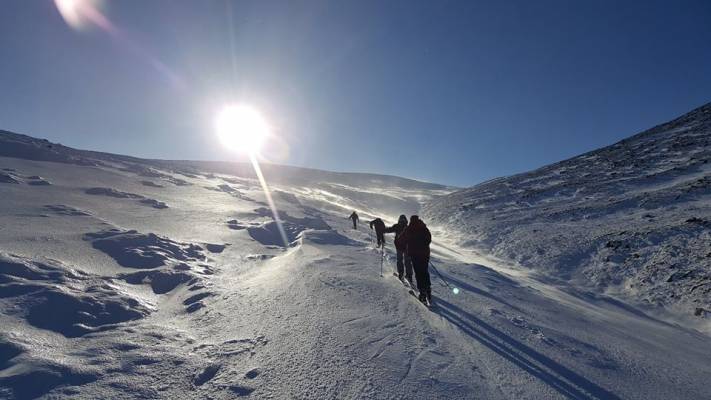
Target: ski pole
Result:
[382, 256]
[454, 290]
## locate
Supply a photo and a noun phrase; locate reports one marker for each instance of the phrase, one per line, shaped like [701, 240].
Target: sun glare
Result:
[77, 13]
[242, 128]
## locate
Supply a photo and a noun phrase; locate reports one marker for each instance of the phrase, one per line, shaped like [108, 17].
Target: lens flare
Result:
[241, 128]
[78, 13]
[83, 14]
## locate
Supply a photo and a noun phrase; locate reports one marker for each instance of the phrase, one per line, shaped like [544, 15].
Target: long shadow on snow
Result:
[563, 380]
[465, 286]
[596, 298]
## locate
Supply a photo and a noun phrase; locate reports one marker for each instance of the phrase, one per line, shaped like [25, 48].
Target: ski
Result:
[403, 281]
[424, 303]
[411, 291]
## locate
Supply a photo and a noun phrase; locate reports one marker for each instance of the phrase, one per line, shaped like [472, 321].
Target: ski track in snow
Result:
[102, 297]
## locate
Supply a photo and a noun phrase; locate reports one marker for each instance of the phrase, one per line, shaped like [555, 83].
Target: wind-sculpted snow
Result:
[25, 377]
[37, 180]
[160, 281]
[225, 188]
[153, 203]
[630, 217]
[150, 172]
[151, 184]
[52, 296]
[13, 177]
[268, 233]
[144, 251]
[61, 209]
[101, 191]
[235, 225]
[327, 237]
[166, 264]
[9, 178]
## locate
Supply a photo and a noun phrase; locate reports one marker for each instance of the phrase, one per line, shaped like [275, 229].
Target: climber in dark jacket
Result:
[354, 217]
[416, 239]
[379, 231]
[403, 260]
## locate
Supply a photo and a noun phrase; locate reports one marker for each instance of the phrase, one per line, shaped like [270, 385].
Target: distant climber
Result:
[416, 240]
[379, 231]
[403, 260]
[355, 219]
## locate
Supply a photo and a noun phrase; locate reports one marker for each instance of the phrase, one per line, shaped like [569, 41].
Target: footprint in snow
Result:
[241, 390]
[206, 374]
[253, 373]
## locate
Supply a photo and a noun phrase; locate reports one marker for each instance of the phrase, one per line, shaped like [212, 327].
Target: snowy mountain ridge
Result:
[632, 218]
[130, 278]
[27, 147]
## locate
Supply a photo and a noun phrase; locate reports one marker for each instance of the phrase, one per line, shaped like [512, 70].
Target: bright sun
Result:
[242, 128]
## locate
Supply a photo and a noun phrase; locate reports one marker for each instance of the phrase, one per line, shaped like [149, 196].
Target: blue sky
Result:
[446, 91]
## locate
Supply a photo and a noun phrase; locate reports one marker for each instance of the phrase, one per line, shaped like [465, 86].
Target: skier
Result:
[416, 239]
[379, 231]
[354, 217]
[403, 260]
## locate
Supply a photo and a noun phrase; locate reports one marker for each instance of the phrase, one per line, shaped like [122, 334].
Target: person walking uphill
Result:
[403, 260]
[354, 217]
[379, 231]
[416, 239]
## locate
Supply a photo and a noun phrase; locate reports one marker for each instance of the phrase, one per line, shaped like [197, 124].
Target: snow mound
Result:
[101, 191]
[9, 178]
[268, 233]
[26, 377]
[151, 184]
[61, 209]
[225, 188]
[13, 177]
[235, 225]
[50, 295]
[141, 169]
[327, 237]
[132, 249]
[166, 264]
[37, 180]
[110, 192]
[154, 203]
[161, 281]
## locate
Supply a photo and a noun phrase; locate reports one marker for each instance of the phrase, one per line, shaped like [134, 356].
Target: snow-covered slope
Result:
[632, 218]
[129, 278]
